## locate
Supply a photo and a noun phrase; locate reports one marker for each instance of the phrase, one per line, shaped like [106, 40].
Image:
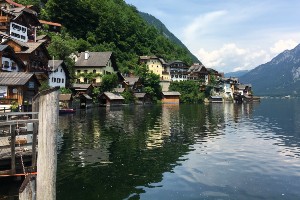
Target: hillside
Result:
[163, 30]
[108, 25]
[280, 76]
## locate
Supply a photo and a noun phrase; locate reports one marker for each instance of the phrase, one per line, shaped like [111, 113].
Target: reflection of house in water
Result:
[162, 130]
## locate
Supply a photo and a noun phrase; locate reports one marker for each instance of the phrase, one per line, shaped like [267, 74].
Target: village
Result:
[26, 65]
[28, 73]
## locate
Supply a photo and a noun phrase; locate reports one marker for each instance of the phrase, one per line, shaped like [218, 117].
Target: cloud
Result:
[200, 23]
[230, 58]
[282, 45]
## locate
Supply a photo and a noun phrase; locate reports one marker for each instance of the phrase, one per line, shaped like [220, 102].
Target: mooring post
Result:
[47, 145]
[13, 149]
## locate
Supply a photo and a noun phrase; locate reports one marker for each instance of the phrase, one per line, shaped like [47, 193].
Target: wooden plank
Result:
[34, 144]
[13, 150]
[14, 122]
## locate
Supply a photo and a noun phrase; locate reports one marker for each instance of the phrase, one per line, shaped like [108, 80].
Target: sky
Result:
[229, 35]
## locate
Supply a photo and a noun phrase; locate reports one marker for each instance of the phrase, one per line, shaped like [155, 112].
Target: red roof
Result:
[14, 3]
[49, 23]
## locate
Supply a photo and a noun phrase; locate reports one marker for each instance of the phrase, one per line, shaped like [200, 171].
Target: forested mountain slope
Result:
[107, 25]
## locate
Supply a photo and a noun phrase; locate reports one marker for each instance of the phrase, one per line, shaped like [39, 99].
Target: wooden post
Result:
[47, 145]
[13, 149]
[34, 134]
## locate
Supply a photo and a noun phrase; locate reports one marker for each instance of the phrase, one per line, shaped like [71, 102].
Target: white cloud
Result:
[282, 45]
[199, 24]
[230, 58]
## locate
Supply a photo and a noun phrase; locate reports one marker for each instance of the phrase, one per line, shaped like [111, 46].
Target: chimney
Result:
[86, 55]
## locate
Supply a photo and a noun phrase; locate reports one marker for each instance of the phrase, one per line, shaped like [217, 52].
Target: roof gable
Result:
[15, 78]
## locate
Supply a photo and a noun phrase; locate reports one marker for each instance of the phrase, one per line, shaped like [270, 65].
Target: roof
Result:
[196, 68]
[81, 86]
[113, 96]
[54, 64]
[119, 90]
[49, 23]
[139, 95]
[131, 80]
[14, 78]
[3, 47]
[31, 47]
[87, 96]
[171, 93]
[65, 97]
[14, 3]
[95, 59]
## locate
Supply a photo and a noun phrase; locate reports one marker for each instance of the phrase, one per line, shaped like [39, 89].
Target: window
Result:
[85, 71]
[58, 80]
[62, 80]
[78, 71]
[61, 70]
[94, 71]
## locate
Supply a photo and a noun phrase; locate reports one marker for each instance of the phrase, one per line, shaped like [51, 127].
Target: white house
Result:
[58, 75]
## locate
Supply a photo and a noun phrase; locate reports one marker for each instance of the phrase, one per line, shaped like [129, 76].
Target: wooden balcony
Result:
[4, 19]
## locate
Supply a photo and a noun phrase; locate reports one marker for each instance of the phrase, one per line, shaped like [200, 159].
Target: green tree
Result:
[109, 82]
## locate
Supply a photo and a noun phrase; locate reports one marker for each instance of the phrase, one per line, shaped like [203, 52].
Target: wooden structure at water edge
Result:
[39, 171]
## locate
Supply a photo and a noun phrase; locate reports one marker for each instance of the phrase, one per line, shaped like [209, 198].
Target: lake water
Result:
[215, 151]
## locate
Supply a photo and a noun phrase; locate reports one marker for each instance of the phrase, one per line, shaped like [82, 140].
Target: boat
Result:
[66, 110]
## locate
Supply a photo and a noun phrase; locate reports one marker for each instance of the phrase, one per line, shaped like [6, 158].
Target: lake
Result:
[214, 151]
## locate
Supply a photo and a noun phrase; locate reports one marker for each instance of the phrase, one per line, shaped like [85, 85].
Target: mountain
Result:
[164, 30]
[108, 25]
[236, 74]
[280, 76]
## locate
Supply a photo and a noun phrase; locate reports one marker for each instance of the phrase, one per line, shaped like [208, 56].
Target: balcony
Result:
[4, 19]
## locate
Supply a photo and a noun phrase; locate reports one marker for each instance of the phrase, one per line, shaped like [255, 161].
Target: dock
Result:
[18, 143]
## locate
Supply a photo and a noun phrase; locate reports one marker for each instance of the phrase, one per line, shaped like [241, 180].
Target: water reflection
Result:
[178, 152]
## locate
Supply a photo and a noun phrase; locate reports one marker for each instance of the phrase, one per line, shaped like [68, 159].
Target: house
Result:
[44, 39]
[170, 97]
[198, 72]
[132, 83]
[110, 99]
[91, 65]
[156, 65]
[142, 98]
[178, 70]
[85, 101]
[18, 21]
[79, 89]
[65, 100]
[9, 60]
[18, 87]
[34, 55]
[58, 73]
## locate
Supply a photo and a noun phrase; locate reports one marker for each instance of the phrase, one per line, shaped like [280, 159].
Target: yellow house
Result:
[157, 66]
[89, 66]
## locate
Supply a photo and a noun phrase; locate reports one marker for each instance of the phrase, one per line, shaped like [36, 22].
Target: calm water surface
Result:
[216, 151]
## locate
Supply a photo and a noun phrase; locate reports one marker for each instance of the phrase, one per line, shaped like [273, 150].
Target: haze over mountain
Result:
[280, 76]
[236, 74]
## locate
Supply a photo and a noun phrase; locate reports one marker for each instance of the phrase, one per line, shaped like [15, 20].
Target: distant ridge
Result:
[280, 76]
[163, 29]
[236, 74]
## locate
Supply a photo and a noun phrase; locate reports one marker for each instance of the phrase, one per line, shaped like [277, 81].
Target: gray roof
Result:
[31, 46]
[171, 93]
[139, 95]
[113, 96]
[82, 86]
[14, 78]
[119, 90]
[95, 59]
[131, 80]
[54, 64]
[65, 97]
